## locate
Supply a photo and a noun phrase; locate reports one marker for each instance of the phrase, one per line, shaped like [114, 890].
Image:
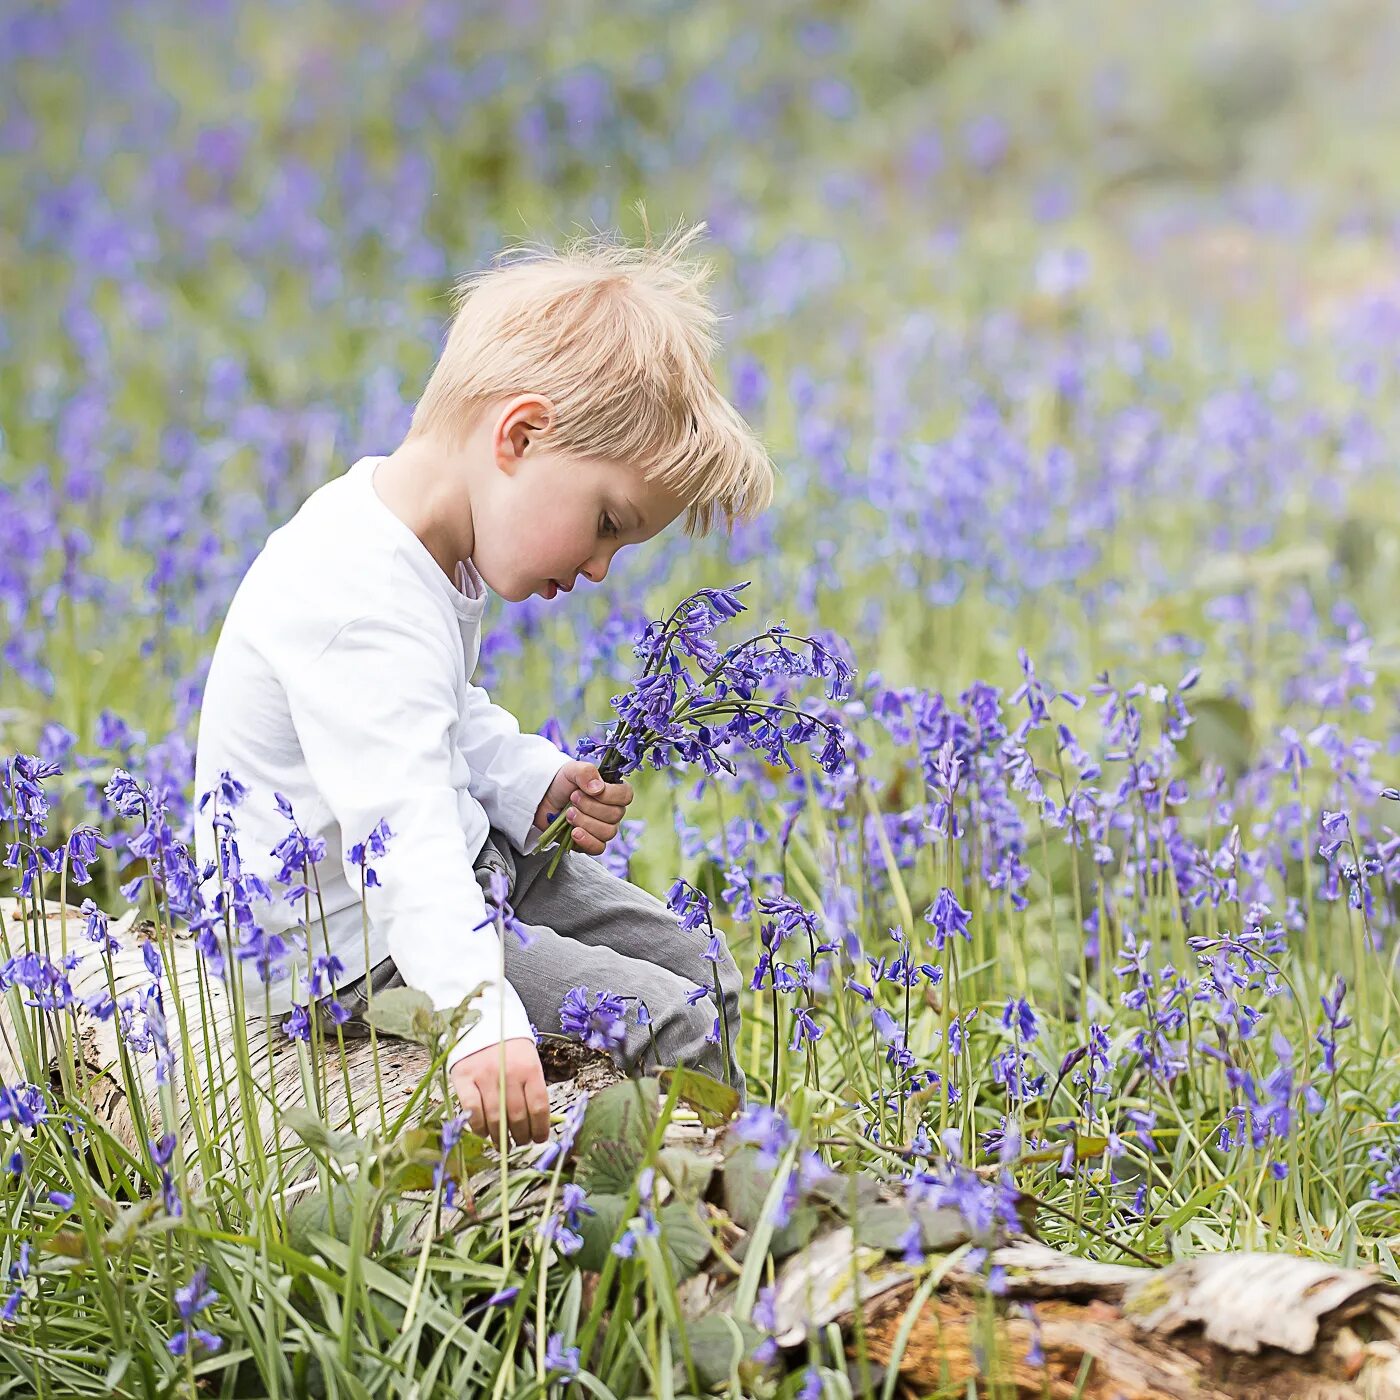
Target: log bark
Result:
[1241, 1325]
[203, 1108]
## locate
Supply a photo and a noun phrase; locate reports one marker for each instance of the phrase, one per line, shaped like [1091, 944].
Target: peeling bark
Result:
[1228, 1325]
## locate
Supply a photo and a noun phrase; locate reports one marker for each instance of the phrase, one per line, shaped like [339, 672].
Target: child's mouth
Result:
[551, 589]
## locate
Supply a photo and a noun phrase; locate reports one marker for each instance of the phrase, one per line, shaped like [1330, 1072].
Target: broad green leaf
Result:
[883, 1226]
[415, 1155]
[608, 1166]
[404, 1012]
[312, 1215]
[746, 1184]
[688, 1172]
[130, 1218]
[685, 1235]
[847, 1191]
[1222, 729]
[713, 1100]
[599, 1230]
[623, 1113]
[336, 1144]
[941, 1227]
[71, 1243]
[718, 1343]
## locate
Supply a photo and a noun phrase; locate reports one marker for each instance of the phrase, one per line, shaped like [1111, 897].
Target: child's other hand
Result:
[596, 806]
[476, 1078]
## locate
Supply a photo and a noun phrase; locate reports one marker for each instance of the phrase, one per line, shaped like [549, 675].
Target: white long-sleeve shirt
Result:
[341, 679]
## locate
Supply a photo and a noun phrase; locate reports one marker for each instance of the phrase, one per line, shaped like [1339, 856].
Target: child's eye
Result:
[609, 525]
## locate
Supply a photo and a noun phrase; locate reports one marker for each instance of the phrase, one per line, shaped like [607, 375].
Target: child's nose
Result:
[596, 570]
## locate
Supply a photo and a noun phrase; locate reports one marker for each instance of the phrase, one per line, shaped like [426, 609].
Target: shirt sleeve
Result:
[375, 712]
[510, 771]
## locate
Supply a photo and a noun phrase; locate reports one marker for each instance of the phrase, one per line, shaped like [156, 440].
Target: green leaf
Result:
[599, 1231]
[414, 1157]
[117, 1369]
[688, 1172]
[718, 1343]
[334, 1144]
[941, 1228]
[623, 1113]
[608, 1166]
[837, 1191]
[131, 1217]
[746, 1185]
[882, 1226]
[312, 1215]
[404, 1012]
[685, 1235]
[713, 1100]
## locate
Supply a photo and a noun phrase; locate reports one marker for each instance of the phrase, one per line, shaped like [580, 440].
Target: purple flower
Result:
[1017, 1015]
[191, 1299]
[1332, 1009]
[561, 1360]
[948, 918]
[568, 1130]
[563, 1226]
[767, 1128]
[376, 844]
[601, 1026]
[804, 1028]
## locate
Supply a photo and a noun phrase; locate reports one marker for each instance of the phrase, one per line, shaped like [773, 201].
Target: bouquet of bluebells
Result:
[692, 699]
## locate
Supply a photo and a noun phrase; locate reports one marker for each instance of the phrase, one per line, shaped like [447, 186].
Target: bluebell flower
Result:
[161, 1153]
[948, 919]
[767, 1128]
[561, 1361]
[376, 844]
[601, 1026]
[192, 1299]
[804, 1027]
[297, 1026]
[19, 1271]
[1018, 1015]
[499, 911]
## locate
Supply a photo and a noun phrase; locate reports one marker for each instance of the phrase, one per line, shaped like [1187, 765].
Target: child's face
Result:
[545, 521]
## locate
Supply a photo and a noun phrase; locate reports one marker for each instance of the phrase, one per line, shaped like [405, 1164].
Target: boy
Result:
[571, 413]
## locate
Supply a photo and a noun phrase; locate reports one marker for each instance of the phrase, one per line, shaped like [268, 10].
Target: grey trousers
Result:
[591, 929]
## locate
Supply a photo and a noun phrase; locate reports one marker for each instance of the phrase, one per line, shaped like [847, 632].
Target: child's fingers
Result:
[598, 808]
[595, 828]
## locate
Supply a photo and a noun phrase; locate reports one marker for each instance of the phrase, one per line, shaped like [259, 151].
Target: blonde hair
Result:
[620, 339]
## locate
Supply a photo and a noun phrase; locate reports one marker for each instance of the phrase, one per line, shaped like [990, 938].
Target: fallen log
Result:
[219, 1122]
[1241, 1325]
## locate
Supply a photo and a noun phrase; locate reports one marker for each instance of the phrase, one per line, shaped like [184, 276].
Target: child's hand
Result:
[476, 1078]
[596, 806]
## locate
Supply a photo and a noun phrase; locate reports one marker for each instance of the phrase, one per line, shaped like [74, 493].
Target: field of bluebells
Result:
[1067, 871]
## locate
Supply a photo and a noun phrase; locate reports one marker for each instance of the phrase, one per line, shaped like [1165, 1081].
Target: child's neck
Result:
[427, 491]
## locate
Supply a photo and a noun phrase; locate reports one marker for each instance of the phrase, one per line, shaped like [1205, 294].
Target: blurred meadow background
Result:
[1073, 330]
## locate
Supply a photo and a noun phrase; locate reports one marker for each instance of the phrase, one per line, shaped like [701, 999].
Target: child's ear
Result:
[525, 421]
